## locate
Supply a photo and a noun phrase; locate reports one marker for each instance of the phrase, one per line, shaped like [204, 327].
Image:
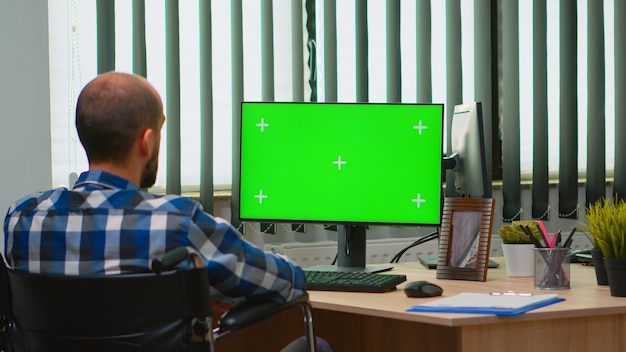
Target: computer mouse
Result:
[422, 289]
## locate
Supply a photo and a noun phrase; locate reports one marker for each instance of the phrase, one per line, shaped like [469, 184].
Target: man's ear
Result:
[147, 140]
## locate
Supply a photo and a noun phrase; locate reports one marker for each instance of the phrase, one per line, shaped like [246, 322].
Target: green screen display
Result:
[341, 162]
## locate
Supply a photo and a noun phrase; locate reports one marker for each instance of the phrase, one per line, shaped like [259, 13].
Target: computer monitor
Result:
[467, 156]
[350, 164]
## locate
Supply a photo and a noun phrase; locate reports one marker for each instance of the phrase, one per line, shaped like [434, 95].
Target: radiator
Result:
[378, 251]
[381, 250]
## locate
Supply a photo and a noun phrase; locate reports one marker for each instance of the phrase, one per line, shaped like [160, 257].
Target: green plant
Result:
[514, 234]
[606, 227]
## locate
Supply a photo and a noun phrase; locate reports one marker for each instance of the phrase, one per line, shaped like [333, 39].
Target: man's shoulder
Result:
[36, 200]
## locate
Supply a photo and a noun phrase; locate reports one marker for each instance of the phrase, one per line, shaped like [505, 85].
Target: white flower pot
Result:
[519, 259]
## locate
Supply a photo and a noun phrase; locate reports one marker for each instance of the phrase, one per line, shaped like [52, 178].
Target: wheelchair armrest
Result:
[249, 313]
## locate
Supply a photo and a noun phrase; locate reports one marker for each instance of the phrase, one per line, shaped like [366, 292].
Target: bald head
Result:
[112, 111]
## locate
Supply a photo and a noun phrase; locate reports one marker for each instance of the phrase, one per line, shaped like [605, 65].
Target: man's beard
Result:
[149, 175]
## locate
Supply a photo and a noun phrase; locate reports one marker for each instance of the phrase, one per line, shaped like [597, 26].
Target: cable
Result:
[396, 258]
[419, 241]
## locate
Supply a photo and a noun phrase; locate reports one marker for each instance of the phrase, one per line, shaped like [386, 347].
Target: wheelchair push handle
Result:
[171, 259]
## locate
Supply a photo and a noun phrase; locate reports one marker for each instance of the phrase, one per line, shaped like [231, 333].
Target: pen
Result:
[568, 241]
[510, 293]
[556, 241]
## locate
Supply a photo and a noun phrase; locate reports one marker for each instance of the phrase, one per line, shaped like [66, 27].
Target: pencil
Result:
[530, 235]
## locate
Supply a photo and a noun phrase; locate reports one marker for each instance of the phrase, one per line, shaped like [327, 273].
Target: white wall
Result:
[25, 160]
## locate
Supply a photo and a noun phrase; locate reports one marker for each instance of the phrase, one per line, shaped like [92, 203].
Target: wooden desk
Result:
[588, 320]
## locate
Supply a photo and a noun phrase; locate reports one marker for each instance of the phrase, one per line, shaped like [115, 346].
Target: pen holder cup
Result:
[552, 268]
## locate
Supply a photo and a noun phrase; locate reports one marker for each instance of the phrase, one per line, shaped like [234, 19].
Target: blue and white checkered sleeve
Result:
[237, 268]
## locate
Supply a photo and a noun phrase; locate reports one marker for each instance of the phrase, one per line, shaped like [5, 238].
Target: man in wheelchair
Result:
[108, 225]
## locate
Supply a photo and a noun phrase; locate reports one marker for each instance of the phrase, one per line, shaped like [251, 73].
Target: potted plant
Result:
[598, 260]
[606, 228]
[518, 248]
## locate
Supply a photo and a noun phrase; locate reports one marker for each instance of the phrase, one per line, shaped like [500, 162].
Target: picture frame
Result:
[465, 238]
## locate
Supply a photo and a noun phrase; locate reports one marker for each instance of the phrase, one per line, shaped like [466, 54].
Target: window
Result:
[73, 63]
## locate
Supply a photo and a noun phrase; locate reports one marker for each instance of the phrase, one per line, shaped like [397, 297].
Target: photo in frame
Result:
[465, 238]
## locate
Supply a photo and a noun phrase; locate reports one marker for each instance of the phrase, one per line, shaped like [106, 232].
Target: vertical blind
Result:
[620, 104]
[568, 110]
[541, 177]
[206, 104]
[510, 117]
[541, 101]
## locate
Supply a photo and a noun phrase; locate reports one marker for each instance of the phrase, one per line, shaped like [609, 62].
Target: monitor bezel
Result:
[335, 221]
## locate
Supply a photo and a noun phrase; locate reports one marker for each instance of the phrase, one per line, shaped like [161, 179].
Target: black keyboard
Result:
[352, 281]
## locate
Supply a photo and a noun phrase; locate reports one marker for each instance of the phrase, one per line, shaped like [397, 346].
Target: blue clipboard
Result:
[479, 303]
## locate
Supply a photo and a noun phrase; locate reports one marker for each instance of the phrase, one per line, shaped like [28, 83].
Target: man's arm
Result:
[237, 268]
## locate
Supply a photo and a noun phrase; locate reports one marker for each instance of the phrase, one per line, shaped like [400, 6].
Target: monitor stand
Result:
[351, 252]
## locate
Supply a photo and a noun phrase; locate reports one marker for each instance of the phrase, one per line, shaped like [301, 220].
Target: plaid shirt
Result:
[107, 226]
